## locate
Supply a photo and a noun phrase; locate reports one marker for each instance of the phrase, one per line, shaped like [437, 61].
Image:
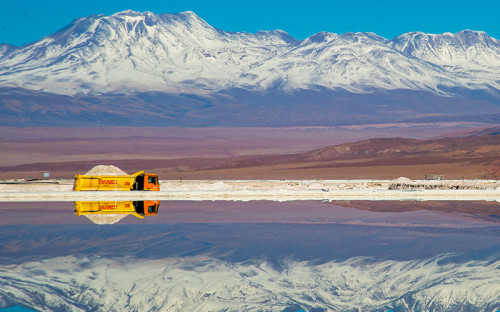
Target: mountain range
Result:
[177, 70]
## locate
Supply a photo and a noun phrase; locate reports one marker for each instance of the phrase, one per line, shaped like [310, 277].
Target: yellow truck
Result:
[139, 181]
[136, 208]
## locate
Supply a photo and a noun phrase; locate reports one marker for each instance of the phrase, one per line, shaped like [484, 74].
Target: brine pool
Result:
[250, 256]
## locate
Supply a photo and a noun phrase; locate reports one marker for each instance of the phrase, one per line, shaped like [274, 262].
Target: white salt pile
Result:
[106, 170]
[403, 180]
[106, 219]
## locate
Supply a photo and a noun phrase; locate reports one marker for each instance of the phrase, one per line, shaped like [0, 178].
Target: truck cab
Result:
[146, 207]
[147, 182]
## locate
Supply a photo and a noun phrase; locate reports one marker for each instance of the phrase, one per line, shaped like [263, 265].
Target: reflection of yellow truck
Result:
[138, 181]
[136, 208]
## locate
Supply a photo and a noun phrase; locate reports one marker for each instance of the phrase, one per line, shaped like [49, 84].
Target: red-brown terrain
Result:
[251, 153]
[487, 210]
[455, 158]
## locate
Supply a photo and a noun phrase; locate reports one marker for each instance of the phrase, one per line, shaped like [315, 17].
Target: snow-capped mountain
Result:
[177, 70]
[139, 51]
[131, 52]
[466, 48]
[100, 284]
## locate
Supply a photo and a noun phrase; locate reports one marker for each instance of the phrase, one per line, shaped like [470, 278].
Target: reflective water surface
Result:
[250, 256]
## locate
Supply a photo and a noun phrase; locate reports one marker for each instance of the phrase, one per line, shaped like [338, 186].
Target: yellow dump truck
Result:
[139, 181]
[136, 208]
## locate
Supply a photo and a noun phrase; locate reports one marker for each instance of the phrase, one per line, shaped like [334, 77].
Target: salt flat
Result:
[274, 190]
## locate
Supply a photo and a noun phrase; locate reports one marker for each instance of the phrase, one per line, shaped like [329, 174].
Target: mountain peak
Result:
[188, 14]
[357, 36]
[283, 35]
[472, 32]
[128, 13]
[465, 48]
[419, 35]
[472, 37]
[322, 36]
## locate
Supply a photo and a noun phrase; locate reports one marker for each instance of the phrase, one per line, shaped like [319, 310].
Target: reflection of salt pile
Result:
[106, 219]
[106, 170]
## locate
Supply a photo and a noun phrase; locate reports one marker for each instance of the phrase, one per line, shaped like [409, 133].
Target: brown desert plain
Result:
[454, 150]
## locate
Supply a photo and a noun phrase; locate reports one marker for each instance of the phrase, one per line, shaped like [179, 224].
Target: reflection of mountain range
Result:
[175, 69]
[250, 256]
[488, 210]
[83, 284]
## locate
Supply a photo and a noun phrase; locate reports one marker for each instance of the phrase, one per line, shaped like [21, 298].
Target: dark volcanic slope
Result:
[487, 131]
[477, 150]
[397, 150]
[472, 147]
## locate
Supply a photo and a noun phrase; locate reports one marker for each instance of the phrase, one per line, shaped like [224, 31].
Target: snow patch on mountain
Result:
[131, 51]
[82, 284]
[6, 49]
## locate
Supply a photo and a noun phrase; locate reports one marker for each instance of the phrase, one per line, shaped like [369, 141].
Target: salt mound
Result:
[106, 219]
[403, 180]
[106, 170]
[219, 186]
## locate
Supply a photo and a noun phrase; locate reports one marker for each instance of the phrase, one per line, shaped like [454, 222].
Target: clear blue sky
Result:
[26, 21]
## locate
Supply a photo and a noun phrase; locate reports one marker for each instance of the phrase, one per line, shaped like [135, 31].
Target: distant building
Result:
[434, 177]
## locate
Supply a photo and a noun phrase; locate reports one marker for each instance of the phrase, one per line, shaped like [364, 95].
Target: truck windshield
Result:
[152, 179]
[152, 208]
